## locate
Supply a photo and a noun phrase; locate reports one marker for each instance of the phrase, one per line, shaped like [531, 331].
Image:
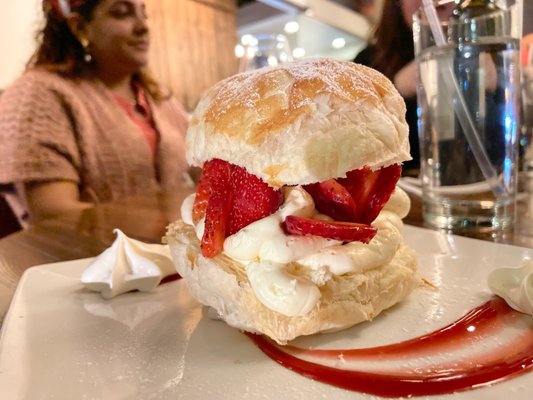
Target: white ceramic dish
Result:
[60, 341]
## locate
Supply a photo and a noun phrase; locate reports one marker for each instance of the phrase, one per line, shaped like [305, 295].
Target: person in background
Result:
[85, 123]
[367, 8]
[391, 52]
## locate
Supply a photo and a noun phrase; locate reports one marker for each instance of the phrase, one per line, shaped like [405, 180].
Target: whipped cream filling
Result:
[358, 256]
[128, 265]
[286, 271]
[515, 286]
[281, 291]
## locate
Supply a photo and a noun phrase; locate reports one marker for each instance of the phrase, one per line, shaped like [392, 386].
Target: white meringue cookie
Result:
[128, 265]
[515, 286]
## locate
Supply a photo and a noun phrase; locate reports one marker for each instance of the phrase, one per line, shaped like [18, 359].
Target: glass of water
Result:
[527, 107]
[264, 50]
[481, 56]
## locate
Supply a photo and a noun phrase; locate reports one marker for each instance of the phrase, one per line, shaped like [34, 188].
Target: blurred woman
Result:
[85, 123]
[391, 51]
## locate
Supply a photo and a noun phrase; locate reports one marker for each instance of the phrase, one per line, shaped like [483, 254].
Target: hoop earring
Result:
[87, 57]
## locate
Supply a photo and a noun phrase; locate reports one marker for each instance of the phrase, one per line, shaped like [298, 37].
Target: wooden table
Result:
[87, 233]
[84, 234]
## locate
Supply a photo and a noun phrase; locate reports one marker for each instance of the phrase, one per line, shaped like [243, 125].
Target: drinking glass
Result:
[527, 108]
[265, 51]
[468, 170]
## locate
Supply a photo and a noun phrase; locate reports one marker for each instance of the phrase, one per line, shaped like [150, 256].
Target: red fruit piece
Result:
[371, 190]
[332, 199]
[359, 183]
[253, 199]
[210, 172]
[344, 231]
[202, 193]
[218, 207]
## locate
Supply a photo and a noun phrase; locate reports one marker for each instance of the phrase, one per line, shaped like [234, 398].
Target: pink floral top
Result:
[141, 114]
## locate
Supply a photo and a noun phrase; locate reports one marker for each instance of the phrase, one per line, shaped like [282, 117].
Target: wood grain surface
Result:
[192, 45]
[82, 234]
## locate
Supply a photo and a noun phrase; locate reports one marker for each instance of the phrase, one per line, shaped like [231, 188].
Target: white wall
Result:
[19, 21]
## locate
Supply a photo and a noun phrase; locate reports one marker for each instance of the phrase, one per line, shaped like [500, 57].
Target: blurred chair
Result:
[9, 223]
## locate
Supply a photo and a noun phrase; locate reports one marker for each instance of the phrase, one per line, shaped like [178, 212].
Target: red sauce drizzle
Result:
[508, 360]
[170, 278]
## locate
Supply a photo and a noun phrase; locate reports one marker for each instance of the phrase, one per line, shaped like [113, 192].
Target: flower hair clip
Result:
[63, 8]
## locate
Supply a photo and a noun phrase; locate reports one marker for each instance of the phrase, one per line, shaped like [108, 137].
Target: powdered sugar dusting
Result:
[307, 79]
[301, 122]
[340, 78]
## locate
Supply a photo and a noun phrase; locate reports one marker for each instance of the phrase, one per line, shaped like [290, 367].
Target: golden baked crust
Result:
[278, 122]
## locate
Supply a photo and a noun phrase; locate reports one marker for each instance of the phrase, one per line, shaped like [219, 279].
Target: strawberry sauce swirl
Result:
[507, 360]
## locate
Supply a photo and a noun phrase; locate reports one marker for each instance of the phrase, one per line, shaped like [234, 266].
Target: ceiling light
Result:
[292, 27]
[338, 43]
[272, 61]
[298, 52]
[250, 52]
[248, 40]
[239, 51]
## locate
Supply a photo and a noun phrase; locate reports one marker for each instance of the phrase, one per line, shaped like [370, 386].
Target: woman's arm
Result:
[46, 199]
[405, 80]
[40, 153]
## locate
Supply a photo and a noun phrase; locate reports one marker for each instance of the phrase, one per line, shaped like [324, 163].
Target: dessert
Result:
[515, 286]
[127, 265]
[295, 227]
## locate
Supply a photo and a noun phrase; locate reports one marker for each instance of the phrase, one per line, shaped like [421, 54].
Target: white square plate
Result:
[60, 341]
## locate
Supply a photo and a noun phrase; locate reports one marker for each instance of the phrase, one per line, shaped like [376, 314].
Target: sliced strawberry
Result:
[359, 183]
[230, 198]
[371, 190]
[253, 199]
[218, 207]
[332, 199]
[383, 188]
[210, 171]
[344, 231]
[202, 195]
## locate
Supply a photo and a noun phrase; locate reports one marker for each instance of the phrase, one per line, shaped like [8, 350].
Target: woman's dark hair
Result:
[61, 52]
[393, 40]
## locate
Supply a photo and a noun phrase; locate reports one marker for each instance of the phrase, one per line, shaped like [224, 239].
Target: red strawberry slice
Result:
[371, 190]
[209, 176]
[230, 198]
[218, 207]
[383, 186]
[344, 231]
[202, 193]
[253, 199]
[332, 199]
